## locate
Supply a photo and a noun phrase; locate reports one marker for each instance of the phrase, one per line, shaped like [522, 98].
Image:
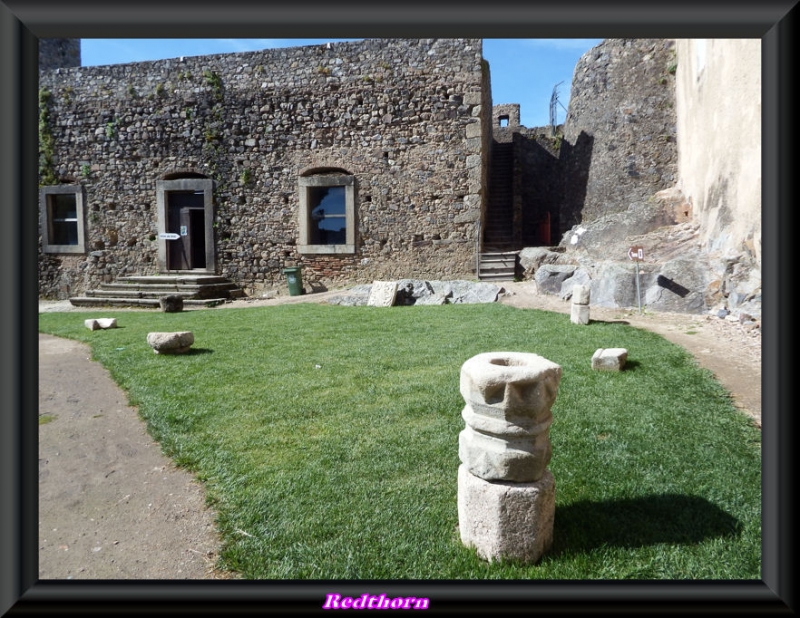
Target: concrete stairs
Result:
[498, 266]
[145, 291]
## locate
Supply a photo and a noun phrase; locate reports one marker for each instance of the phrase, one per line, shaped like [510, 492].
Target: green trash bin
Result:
[294, 280]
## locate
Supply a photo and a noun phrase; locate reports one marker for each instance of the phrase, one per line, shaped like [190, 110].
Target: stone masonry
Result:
[408, 120]
[506, 494]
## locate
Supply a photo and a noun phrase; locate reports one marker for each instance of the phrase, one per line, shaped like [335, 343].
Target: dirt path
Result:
[113, 507]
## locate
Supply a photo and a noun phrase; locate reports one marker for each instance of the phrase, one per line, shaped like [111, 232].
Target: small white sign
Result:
[184, 231]
[168, 236]
[636, 253]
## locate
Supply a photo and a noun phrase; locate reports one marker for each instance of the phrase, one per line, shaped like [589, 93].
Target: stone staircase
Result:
[145, 291]
[498, 266]
[498, 232]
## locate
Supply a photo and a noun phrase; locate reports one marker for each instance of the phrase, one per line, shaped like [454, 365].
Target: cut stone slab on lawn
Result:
[609, 359]
[100, 323]
[171, 343]
[382, 294]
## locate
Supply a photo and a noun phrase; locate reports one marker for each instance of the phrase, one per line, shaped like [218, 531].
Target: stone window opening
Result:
[62, 219]
[326, 216]
[503, 121]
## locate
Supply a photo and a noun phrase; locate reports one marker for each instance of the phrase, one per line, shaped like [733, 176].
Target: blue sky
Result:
[524, 71]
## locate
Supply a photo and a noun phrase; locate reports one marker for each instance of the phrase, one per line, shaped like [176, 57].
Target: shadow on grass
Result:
[195, 351]
[637, 522]
[630, 365]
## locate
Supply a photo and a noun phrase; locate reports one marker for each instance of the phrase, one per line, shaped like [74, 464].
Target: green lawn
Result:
[327, 439]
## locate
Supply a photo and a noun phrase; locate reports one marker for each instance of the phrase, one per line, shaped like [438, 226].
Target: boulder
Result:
[171, 343]
[172, 303]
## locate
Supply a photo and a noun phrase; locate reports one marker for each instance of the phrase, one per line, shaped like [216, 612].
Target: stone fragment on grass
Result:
[580, 294]
[609, 359]
[579, 314]
[579, 311]
[171, 343]
[172, 303]
[100, 323]
[382, 294]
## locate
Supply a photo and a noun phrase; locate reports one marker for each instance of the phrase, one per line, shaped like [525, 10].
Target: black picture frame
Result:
[22, 22]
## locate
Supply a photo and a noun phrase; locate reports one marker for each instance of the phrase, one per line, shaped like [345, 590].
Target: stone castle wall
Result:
[620, 130]
[409, 119]
[59, 53]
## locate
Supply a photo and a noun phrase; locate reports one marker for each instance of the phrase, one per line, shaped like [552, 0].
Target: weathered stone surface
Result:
[679, 286]
[422, 292]
[409, 117]
[579, 314]
[623, 106]
[508, 398]
[467, 292]
[516, 456]
[609, 359]
[170, 343]
[412, 291]
[580, 295]
[579, 277]
[100, 323]
[432, 299]
[506, 520]
[172, 303]
[382, 294]
[549, 277]
[531, 258]
[614, 285]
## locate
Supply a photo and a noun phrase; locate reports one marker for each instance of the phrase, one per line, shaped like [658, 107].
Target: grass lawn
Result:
[327, 439]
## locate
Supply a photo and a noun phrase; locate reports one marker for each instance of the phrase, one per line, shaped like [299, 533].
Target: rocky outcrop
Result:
[638, 103]
[422, 292]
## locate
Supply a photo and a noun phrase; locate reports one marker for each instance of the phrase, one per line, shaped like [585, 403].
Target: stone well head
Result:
[507, 416]
[510, 385]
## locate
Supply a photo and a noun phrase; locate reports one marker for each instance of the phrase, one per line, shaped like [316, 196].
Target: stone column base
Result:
[505, 520]
[579, 314]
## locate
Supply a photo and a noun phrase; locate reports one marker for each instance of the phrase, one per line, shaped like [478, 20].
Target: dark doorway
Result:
[186, 218]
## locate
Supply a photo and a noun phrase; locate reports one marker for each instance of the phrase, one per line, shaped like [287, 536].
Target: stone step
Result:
[100, 302]
[189, 288]
[134, 294]
[497, 266]
[498, 263]
[500, 276]
[186, 278]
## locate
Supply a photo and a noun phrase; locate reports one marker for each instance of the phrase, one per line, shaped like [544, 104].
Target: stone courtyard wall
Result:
[409, 119]
[620, 132]
[719, 129]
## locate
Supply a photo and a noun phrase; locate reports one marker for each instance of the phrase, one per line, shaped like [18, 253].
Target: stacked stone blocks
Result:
[506, 494]
[579, 310]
